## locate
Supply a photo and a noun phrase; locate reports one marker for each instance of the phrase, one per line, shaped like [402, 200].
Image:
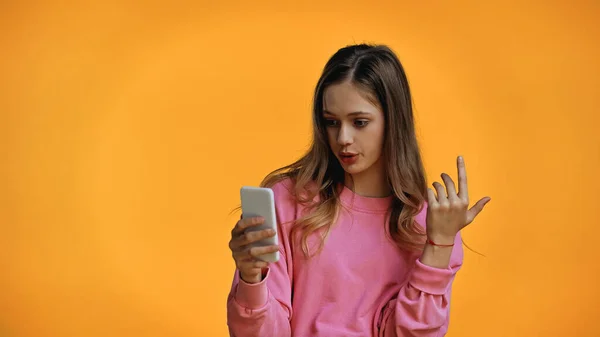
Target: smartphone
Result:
[260, 201]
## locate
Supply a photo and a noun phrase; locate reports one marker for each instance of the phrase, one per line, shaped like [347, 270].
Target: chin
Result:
[353, 169]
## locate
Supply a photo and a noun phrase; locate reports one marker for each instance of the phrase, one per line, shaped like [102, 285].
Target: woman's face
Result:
[355, 129]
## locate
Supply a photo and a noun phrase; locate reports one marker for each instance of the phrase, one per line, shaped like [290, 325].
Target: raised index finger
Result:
[241, 226]
[463, 191]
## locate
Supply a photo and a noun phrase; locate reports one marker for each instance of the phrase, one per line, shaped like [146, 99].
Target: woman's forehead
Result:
[345, 98]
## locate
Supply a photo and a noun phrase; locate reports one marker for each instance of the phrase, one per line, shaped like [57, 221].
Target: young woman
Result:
[366, 248]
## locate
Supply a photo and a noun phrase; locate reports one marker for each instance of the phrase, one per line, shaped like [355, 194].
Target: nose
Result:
[345, 135]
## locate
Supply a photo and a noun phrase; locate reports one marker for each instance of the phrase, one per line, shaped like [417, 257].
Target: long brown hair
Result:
[376, 70]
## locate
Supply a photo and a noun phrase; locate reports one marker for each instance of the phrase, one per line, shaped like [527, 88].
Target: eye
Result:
[331, 122]
[361, 123]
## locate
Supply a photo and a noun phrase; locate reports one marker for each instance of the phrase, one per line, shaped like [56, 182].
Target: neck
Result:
[372, 183]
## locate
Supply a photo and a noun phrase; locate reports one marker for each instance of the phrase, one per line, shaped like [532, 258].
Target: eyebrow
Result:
[350, 114]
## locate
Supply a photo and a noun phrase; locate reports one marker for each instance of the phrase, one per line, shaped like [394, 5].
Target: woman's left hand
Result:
[449, 212]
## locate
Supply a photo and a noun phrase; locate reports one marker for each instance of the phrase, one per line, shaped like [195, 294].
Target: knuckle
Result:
[255, 235]
[455, 205]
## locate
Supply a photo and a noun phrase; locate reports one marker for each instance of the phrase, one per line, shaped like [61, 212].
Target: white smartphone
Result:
[260, 201]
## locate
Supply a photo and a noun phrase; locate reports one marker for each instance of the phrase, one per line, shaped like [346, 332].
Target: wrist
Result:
[436, 255]
[253, 279]
[440, 240]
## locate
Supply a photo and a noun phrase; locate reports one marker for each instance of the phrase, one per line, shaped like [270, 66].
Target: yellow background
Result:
[127, 129]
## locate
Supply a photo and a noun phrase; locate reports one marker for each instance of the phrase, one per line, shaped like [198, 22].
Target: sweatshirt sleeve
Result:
[422, 306]
[265, 308]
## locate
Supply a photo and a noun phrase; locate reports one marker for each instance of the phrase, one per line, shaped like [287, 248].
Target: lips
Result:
[348, 157]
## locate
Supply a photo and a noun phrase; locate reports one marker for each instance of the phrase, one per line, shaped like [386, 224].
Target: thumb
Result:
[476, 209]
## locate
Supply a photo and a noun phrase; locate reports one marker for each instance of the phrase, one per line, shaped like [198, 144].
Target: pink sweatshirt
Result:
[361, 284]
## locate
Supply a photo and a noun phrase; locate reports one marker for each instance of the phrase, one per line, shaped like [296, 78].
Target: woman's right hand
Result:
[245, 257]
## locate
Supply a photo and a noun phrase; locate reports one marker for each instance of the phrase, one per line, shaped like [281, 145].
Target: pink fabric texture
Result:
[361, 284]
